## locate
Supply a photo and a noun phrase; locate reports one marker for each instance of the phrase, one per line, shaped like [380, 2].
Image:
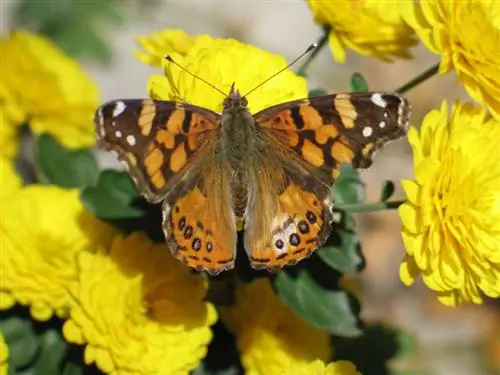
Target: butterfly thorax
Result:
[237, 133]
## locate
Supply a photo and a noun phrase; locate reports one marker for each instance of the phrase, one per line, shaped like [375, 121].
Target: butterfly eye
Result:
[244, 102]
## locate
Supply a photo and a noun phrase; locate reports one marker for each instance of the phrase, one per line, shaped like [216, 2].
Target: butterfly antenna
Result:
[307, 51]
[168, 58]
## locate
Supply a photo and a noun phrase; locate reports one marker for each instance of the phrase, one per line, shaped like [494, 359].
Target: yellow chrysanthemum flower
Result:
[42, 228]
[369, 27]
[270, 336]
[451, 222]
[139, 310]
[43, 86]
[466, 35]
[317, 367]
[12, 115]
[222, 62]
[4, 356]
[162, 42]
[10, 181]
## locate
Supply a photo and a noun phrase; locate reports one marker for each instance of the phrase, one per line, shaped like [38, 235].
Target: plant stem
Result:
[418, 79]
[320, 44]
[369, 207]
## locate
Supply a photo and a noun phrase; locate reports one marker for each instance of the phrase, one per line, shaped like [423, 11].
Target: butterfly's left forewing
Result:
[308, 140]
[156, 139]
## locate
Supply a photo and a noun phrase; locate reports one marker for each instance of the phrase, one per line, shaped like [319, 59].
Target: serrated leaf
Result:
[325, 309]
[358, 83]
[67, 168]
[342, 251]
[111, 198]
[387, 190]
[317, 92]
[348, 187]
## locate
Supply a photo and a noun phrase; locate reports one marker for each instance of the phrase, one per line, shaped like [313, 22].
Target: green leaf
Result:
[387, 190]
[112, 197]
[358, 83]
[51, 357]
[348, 187]
[317, 92]
[325, 309]
[62, 167]
[342, 251]
[372, 352]
[23, 343]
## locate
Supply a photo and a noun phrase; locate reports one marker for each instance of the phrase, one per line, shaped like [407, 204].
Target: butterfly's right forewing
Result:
[156, 139]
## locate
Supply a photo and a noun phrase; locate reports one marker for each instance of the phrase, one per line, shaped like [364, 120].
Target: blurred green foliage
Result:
[78, 27]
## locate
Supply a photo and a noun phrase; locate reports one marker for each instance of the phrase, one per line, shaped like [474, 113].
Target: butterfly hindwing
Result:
[198, 220]
[288, 214]
[156, 139]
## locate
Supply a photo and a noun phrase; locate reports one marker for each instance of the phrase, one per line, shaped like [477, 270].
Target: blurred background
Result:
[101, 35]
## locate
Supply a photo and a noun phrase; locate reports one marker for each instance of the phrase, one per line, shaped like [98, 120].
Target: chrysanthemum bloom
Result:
[222, 62]
[163, 42]
[9, 179]
[12, 115]
[43, 86]
[369, 27]
[42, 228]
[139, 310]
[270, 336]
[317, 367]
[4, 356]
[451, 222]
[466, 35]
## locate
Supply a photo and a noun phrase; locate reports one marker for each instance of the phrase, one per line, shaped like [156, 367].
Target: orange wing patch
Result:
[300, 227]
[195, 237]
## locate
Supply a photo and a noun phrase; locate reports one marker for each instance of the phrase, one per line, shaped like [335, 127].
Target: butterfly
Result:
[268, 174]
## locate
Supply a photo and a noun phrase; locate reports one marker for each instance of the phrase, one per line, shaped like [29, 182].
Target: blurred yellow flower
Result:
[317, 367]
[222, 62]
[42, 228]
[10, 181]
[270, 336]
[139, 310]
[12, 116]
[466, 35]
[4, 356]
[451, 222]
[369, 27]
[163, 42]
[46, 88]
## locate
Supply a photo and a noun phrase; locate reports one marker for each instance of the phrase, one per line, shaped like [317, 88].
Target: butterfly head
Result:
[234, 101]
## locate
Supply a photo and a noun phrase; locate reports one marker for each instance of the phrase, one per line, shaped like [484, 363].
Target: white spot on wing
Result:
[382, 124]
[367, 131]
[378, 100]
[119, 108]
[131, 140]
[100, 117]
[337, 217]
[118, 134]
